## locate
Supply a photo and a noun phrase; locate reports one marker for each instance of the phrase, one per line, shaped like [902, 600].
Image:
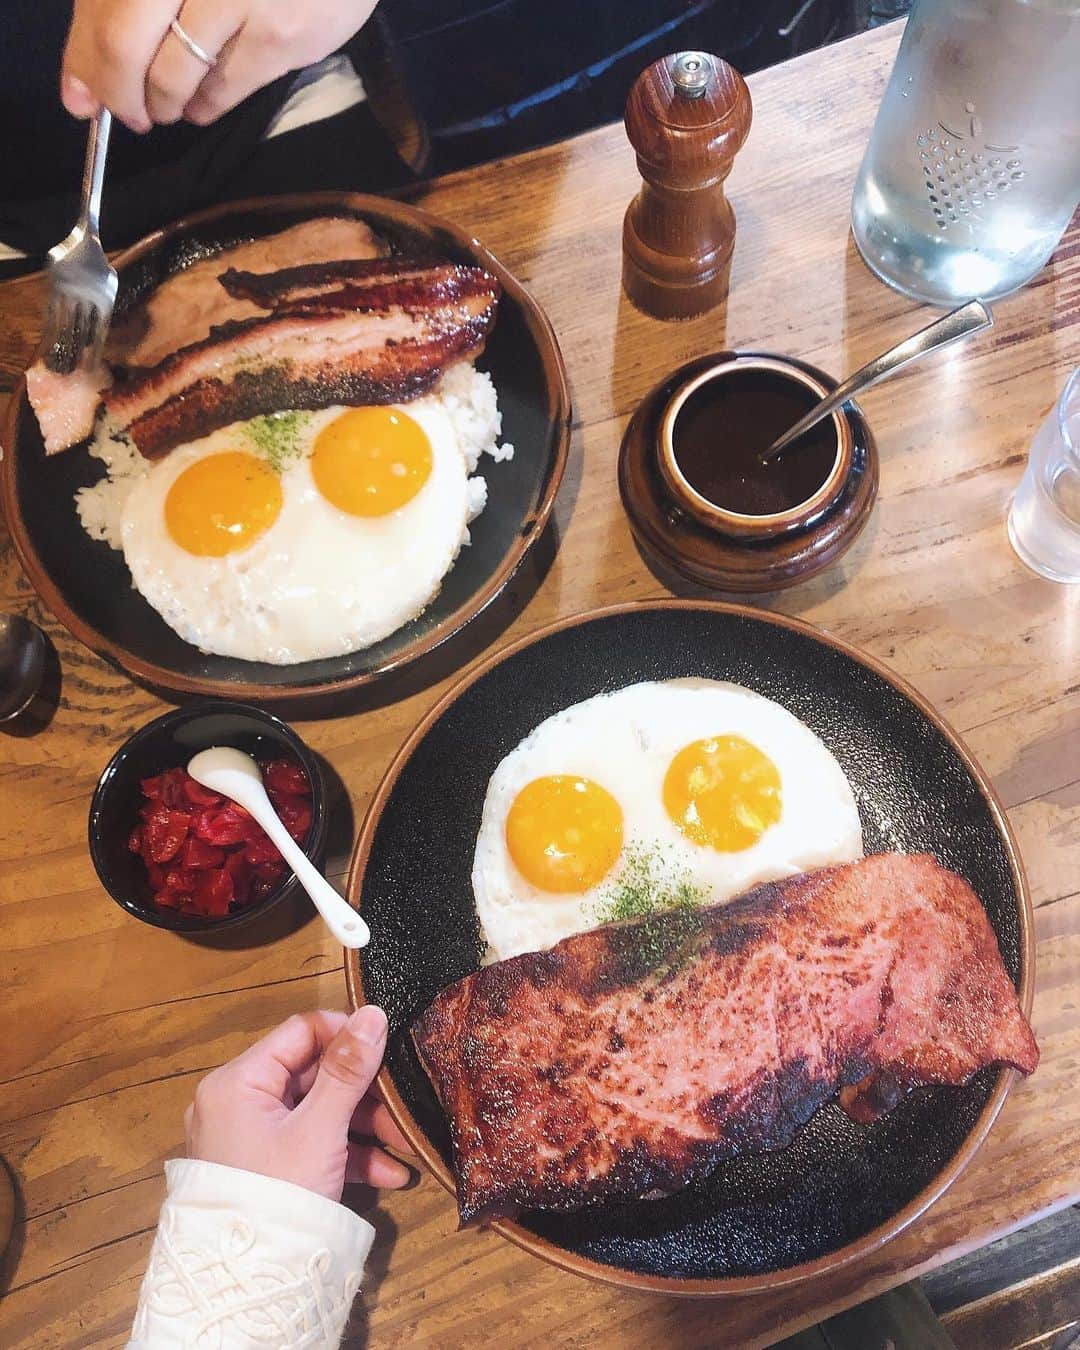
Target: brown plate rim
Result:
[662, 1284]
[162, 677]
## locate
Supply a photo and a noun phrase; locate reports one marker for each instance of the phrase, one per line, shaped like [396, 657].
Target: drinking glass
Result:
[972, 172]
[1044, 519]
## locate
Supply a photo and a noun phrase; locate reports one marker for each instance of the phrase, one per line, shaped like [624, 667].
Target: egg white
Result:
[625, 741]
[318, 582]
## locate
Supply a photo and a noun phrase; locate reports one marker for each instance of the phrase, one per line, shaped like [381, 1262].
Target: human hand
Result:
[122, 54]
[286, 1106]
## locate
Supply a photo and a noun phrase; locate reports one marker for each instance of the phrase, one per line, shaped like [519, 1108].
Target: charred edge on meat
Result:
[409, 370]
[541, 1137]
[265, 288]
[427, 292]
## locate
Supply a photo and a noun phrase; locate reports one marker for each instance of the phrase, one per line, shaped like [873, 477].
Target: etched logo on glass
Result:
[963, 172]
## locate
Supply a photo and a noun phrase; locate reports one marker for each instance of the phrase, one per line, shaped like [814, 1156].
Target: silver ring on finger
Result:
[199, 53]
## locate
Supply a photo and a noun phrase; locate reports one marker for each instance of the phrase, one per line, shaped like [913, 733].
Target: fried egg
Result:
[306, 536]
[719, 787]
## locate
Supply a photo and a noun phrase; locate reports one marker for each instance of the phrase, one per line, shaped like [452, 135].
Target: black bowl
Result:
[169, 742]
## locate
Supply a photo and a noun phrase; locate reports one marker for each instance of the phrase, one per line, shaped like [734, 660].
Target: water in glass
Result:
[972, 172]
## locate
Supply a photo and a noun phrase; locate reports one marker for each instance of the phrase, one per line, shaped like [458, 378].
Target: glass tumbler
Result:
[1044, 519]
[972, 172]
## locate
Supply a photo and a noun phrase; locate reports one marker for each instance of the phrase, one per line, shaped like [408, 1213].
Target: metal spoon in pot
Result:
[236, 775]
[960, 323]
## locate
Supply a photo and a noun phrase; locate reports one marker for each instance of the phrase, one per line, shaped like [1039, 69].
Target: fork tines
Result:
[73, 327]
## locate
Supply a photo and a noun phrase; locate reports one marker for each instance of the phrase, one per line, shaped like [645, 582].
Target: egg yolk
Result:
[371, 461]
[722, 792]
[222, 503]
[564, 833]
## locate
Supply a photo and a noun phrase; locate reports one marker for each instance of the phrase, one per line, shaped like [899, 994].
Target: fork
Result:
[82, 285]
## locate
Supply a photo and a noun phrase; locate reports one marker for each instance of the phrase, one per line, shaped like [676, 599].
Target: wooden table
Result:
[109, 1024]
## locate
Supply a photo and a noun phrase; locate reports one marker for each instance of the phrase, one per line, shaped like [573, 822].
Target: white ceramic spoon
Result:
[236, 775]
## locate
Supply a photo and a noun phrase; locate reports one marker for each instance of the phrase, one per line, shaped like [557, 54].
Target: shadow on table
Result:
[639, 361]
[634, 344]
[12, 1224]
[795, 600]
[375, 1268]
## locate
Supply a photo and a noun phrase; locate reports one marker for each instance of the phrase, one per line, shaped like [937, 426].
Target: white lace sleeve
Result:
[242, 1261]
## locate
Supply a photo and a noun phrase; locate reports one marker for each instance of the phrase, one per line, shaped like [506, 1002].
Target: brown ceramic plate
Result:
[87, 585]
[840, 1189]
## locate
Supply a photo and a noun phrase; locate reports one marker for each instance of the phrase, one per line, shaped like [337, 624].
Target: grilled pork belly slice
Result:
[66, 405]
[297, 361]
[273, 290]
[444, 293]
[628, 1061]
[186, 306]
[181, 312]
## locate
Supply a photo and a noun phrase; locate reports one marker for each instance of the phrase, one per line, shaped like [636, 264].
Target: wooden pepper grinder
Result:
[687, 116]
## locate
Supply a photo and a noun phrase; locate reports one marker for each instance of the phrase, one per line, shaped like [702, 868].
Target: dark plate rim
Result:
[743, 1284]
[163, 677]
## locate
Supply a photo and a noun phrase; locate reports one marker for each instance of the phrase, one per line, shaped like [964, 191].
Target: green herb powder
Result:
[277, 436]
[646, 886]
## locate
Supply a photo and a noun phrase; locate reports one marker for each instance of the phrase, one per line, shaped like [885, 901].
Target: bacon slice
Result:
[65, 405]
[440, 293]
[629, 1061]
[182, 312]
[313, 357]
[184, 309]
[271, 290]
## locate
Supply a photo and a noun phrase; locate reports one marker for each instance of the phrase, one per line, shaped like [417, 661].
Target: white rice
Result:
[469, 398]
[100, 507]
[465, 394]
[477, 496]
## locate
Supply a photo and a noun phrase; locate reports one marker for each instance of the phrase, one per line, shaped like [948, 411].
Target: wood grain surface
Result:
[109, 1024]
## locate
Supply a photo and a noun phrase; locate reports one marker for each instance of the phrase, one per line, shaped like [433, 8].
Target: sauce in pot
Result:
[725, 424]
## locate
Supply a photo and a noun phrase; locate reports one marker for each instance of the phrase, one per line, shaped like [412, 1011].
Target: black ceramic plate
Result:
[840, 1189]
[87, 585]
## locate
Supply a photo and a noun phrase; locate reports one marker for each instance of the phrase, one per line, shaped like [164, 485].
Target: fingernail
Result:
[76, 97]
[369, 1025]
